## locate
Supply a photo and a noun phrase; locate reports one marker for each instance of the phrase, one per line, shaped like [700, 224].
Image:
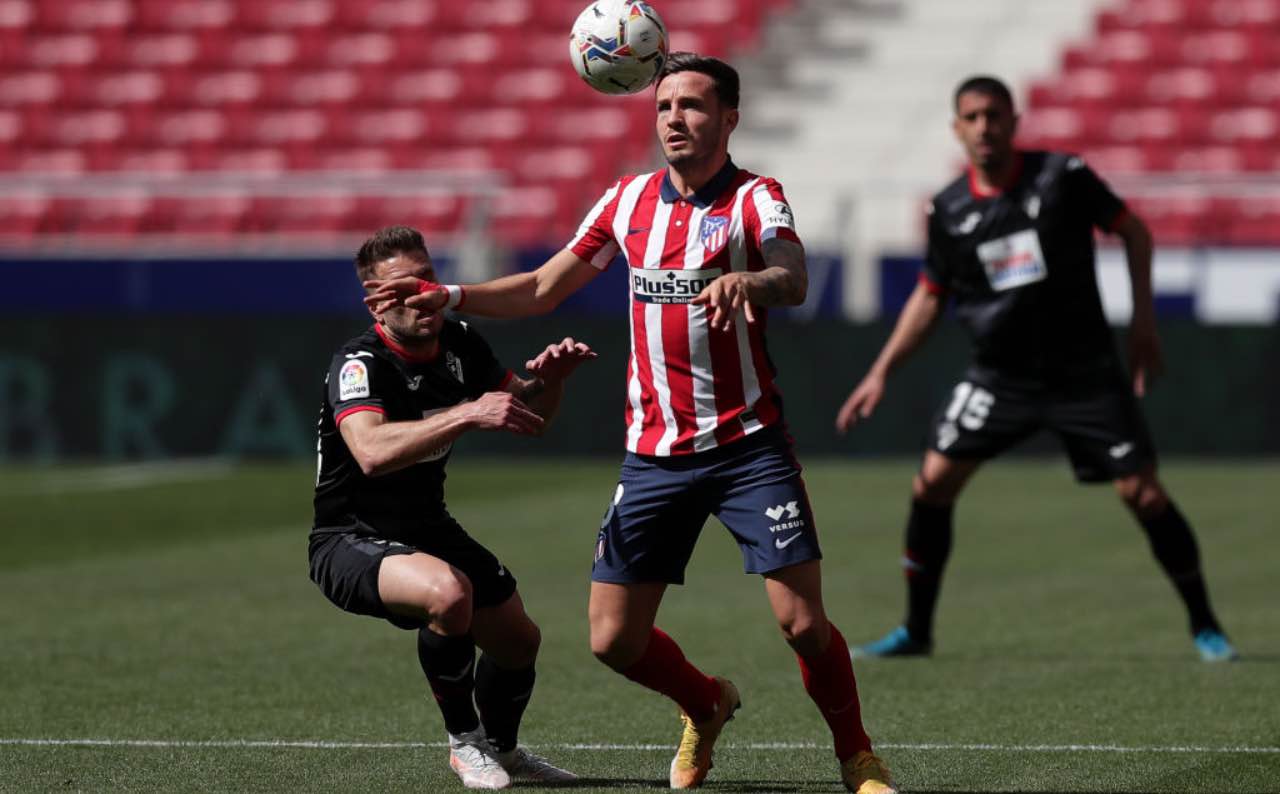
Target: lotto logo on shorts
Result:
[670, 286]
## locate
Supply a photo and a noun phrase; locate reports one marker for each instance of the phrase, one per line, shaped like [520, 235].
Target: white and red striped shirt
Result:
[689, 389]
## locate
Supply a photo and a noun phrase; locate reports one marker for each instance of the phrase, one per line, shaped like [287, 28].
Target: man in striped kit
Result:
[709, 247]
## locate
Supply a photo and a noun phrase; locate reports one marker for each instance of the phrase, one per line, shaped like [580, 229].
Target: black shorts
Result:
[345, 562]
[1096, 417]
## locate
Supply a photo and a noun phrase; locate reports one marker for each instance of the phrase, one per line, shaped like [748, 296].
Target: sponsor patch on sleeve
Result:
[779, 214]
[353, 380]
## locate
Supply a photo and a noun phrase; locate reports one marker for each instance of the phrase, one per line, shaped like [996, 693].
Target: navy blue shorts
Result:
[752, 485]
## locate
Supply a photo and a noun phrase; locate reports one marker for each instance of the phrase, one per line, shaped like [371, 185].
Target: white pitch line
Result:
[753, 746]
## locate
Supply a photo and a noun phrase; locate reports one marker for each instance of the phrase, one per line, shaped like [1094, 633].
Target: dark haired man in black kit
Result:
[1011, 244]
[383, 544]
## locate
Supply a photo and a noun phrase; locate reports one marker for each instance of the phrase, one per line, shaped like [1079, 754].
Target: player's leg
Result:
[980, 418]
[645, 541]
[505, 677]
[1174, 545]
[1106, 437]
[763, 502]
[926, 549]
[624, 637]
[795, 595]
[415, 590]
[428, 589]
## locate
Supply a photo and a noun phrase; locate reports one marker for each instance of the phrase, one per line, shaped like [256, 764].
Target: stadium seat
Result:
[280, 86]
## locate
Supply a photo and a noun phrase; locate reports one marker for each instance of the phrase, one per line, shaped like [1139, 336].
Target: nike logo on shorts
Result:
[782, 544]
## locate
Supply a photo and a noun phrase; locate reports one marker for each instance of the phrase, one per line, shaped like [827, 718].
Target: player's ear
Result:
[731, 119]
[1013, 126]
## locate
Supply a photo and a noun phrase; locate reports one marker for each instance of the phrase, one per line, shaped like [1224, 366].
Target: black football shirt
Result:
[1019, 265]
[371, 373]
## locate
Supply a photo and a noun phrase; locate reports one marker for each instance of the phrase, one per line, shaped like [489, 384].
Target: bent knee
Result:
[933, 490]
[524, 644]
[807, 636]
[449, 604]
[616, 648]
[1142, 494]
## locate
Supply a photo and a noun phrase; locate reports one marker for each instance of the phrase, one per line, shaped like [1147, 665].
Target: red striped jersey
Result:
[689, 389]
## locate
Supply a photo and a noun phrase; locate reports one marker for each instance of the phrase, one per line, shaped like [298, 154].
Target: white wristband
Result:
[456, 296]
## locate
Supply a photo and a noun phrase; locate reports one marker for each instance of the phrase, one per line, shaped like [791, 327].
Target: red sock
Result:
[828, 678]
[664, 669]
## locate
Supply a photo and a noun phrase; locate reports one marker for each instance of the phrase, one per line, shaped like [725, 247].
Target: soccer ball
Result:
[618, 46]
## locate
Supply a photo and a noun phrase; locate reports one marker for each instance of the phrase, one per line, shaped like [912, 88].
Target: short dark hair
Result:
[983, 84]
[727, 83]
[386, 243]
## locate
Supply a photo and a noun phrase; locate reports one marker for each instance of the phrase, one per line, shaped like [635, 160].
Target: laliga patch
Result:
[714, 233]
[353, 380]
[649, 285]
[1013, 261]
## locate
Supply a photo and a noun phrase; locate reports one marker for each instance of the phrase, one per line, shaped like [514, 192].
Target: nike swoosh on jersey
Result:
[782, 544]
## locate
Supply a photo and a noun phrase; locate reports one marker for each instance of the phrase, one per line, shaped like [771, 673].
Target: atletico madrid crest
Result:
[714, 233]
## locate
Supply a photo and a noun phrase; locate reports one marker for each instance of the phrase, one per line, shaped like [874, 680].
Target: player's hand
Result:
[385, 294]
[862, 401]
[1146, 359]
[559, 361]
[725, 298]
[498, 410]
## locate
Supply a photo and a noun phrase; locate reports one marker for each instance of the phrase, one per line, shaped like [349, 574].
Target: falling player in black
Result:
[383, 544]
[1011, 244]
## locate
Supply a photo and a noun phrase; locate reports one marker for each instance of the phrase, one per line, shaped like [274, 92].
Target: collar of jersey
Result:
[705, 195]
[401, 351]
[1014, 175]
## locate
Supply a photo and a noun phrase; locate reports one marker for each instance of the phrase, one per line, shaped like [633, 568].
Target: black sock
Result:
[1174, 545]
[928, 546]
[448, 664]
[502, 696]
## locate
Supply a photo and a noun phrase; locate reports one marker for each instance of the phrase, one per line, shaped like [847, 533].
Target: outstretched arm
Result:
[914, 324]
[782, 282]
[550, 368]
[1146, 361]
[381, 446]
[518, 295]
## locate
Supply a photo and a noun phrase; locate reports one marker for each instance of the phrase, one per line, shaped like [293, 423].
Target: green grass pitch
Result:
[166, 612]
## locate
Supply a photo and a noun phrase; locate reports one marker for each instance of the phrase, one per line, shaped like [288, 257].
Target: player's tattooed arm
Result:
[782, 282]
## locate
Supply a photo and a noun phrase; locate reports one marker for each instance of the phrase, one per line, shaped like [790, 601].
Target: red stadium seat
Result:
[275, 86]
[21, 216]
[442, 214]
[180, 15]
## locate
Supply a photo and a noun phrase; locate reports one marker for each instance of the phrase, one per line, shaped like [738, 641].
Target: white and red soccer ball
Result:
[618, 46]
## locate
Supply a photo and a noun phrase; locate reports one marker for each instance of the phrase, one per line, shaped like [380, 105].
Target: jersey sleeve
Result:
[772, 216]
[482, 371]
[1101, 207]
[935, 275]
[594, 241]
[353, 385]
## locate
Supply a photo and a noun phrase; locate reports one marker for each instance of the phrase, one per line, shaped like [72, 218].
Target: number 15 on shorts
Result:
[969, 407]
